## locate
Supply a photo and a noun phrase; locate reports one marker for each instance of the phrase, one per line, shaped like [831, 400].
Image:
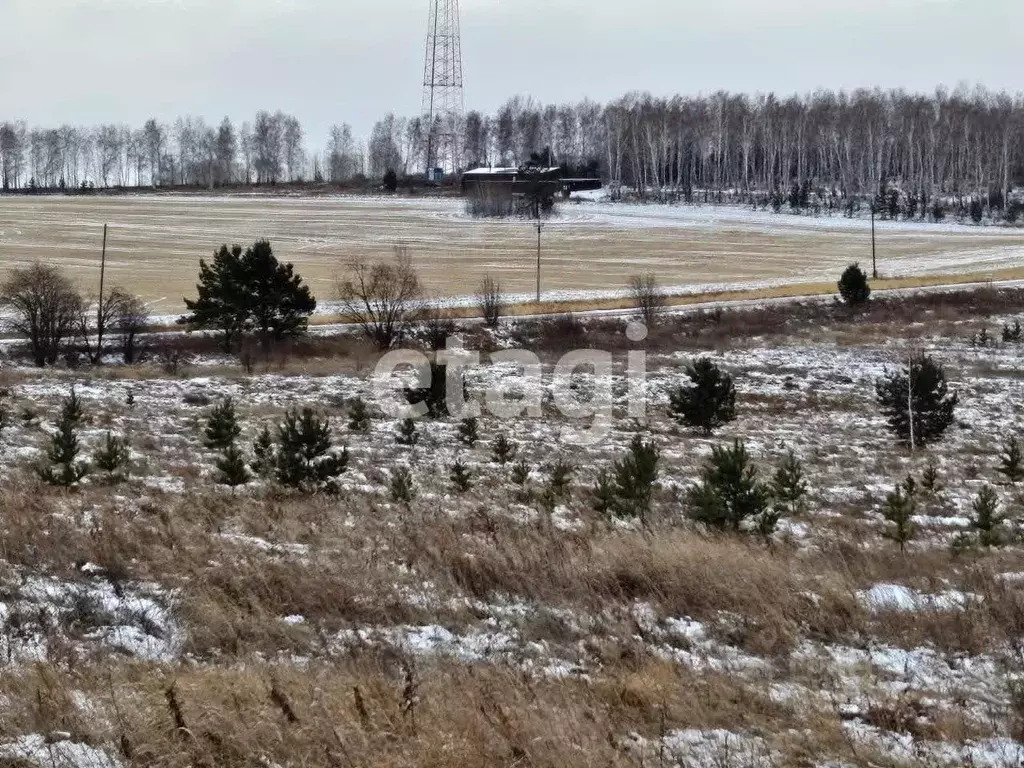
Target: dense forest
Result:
[966, 144]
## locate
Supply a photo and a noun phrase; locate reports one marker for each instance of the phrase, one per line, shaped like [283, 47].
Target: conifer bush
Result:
[65, 469]
[407, 434]
[1011, 461]
[222, 427]
[305, 459]
[520, 473]
[503, 450]
[460, 476]
[112, 457]
[263, 452]
[853, 286]
[899, 510]
[401, 486]
[632, 481]
[986, 518]
[232, 470]
[359, 416]
[560, 479]
[729, 492]
[469, 431]
[708, 402]
[931, 402]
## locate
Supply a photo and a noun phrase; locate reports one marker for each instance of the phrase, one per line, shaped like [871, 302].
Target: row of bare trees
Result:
[188, 152]
[44, 307]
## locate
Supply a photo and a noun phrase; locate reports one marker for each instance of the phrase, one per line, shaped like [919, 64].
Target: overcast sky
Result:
[332, 61]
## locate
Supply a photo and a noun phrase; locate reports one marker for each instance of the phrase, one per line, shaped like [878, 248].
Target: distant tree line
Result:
[826, 146]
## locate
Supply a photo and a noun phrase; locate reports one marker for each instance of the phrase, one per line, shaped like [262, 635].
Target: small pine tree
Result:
[1013, 334]
[560, 480]
[788, 487]
[460, 476]
[65, 469]
[986, 518]
[520, 473]
[263, 451]
[931, 483]
[358, 416]
[130, 399]
[1011, 461]
[113, 457]
[635, 477]
[899, 510]
[402, 489]
[407, 434]
[932, 404]
[222, 428]
[710, 399]
[604, 493]
[305, 459]
[503, 451]
[469, 431]
[729, 492]
[854, 287]
[71, 410]
[231, 468]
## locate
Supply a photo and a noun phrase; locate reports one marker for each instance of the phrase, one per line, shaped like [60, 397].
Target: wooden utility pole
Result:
[874, 257]
[99, 303]
[538, 259]
[910, 398]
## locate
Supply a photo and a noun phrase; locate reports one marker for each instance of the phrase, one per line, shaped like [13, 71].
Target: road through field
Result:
[156, 241]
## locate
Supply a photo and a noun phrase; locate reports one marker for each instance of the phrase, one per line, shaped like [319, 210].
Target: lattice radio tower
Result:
[442, 86]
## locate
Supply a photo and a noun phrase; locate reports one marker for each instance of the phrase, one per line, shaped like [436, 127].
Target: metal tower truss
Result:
[442, 87]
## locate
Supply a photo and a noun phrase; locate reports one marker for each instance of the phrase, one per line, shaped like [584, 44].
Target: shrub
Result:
[899, 510]
[401, 486]
[930, 480]
[632, 481]
[381, 298]
[263, 451]
[853, 286]
[390, 180]
[648, 300]
[729, 492]
[304, 457]
[469, 431]
[977, 210]
[1013, 334]
[986, 518]
[520, 473]
[113, 457]
[231, 468]
[222, 428]
[788, 490]
[560, 479]
[44, 307]
[710, 399]
[65, 469]
[922, 389]
[1011, 461]
[407, 434]
[490, 302]
[460, 476]
[438, 326]
[504, 450]
[358, 416]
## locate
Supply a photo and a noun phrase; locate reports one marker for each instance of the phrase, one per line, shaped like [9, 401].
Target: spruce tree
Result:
[460, 476]
[604, 493]
[1011, 461]
[222, 428]
[65, 469]
[469, 431]
[854, 287]
[932, 404]
[986, 518]
[899, 511]
[788, 487]
[931, 483]
[263, 452]
[358, 416]
[1013, 334]
[560, 479]
[113, 457]
[520, 473]
[401, 486]
[305, 459]
[231, 468]
[729, 492]
[71, 410]
[407, 434]
[503, 451]
[633, 480]
[710, 399]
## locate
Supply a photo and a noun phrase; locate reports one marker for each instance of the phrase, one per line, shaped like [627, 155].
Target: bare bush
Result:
[118, 312]
[381, 298]
[491, 201]
[131, 318]
[648, 298]
[438, 326]
[490, 302]
[44, 308]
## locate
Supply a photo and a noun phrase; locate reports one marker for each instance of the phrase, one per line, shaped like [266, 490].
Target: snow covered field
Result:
[157, 240]
[491, 628]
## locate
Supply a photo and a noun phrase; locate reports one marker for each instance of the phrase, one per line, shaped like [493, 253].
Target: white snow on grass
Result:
[895, 597]
[56, 751]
